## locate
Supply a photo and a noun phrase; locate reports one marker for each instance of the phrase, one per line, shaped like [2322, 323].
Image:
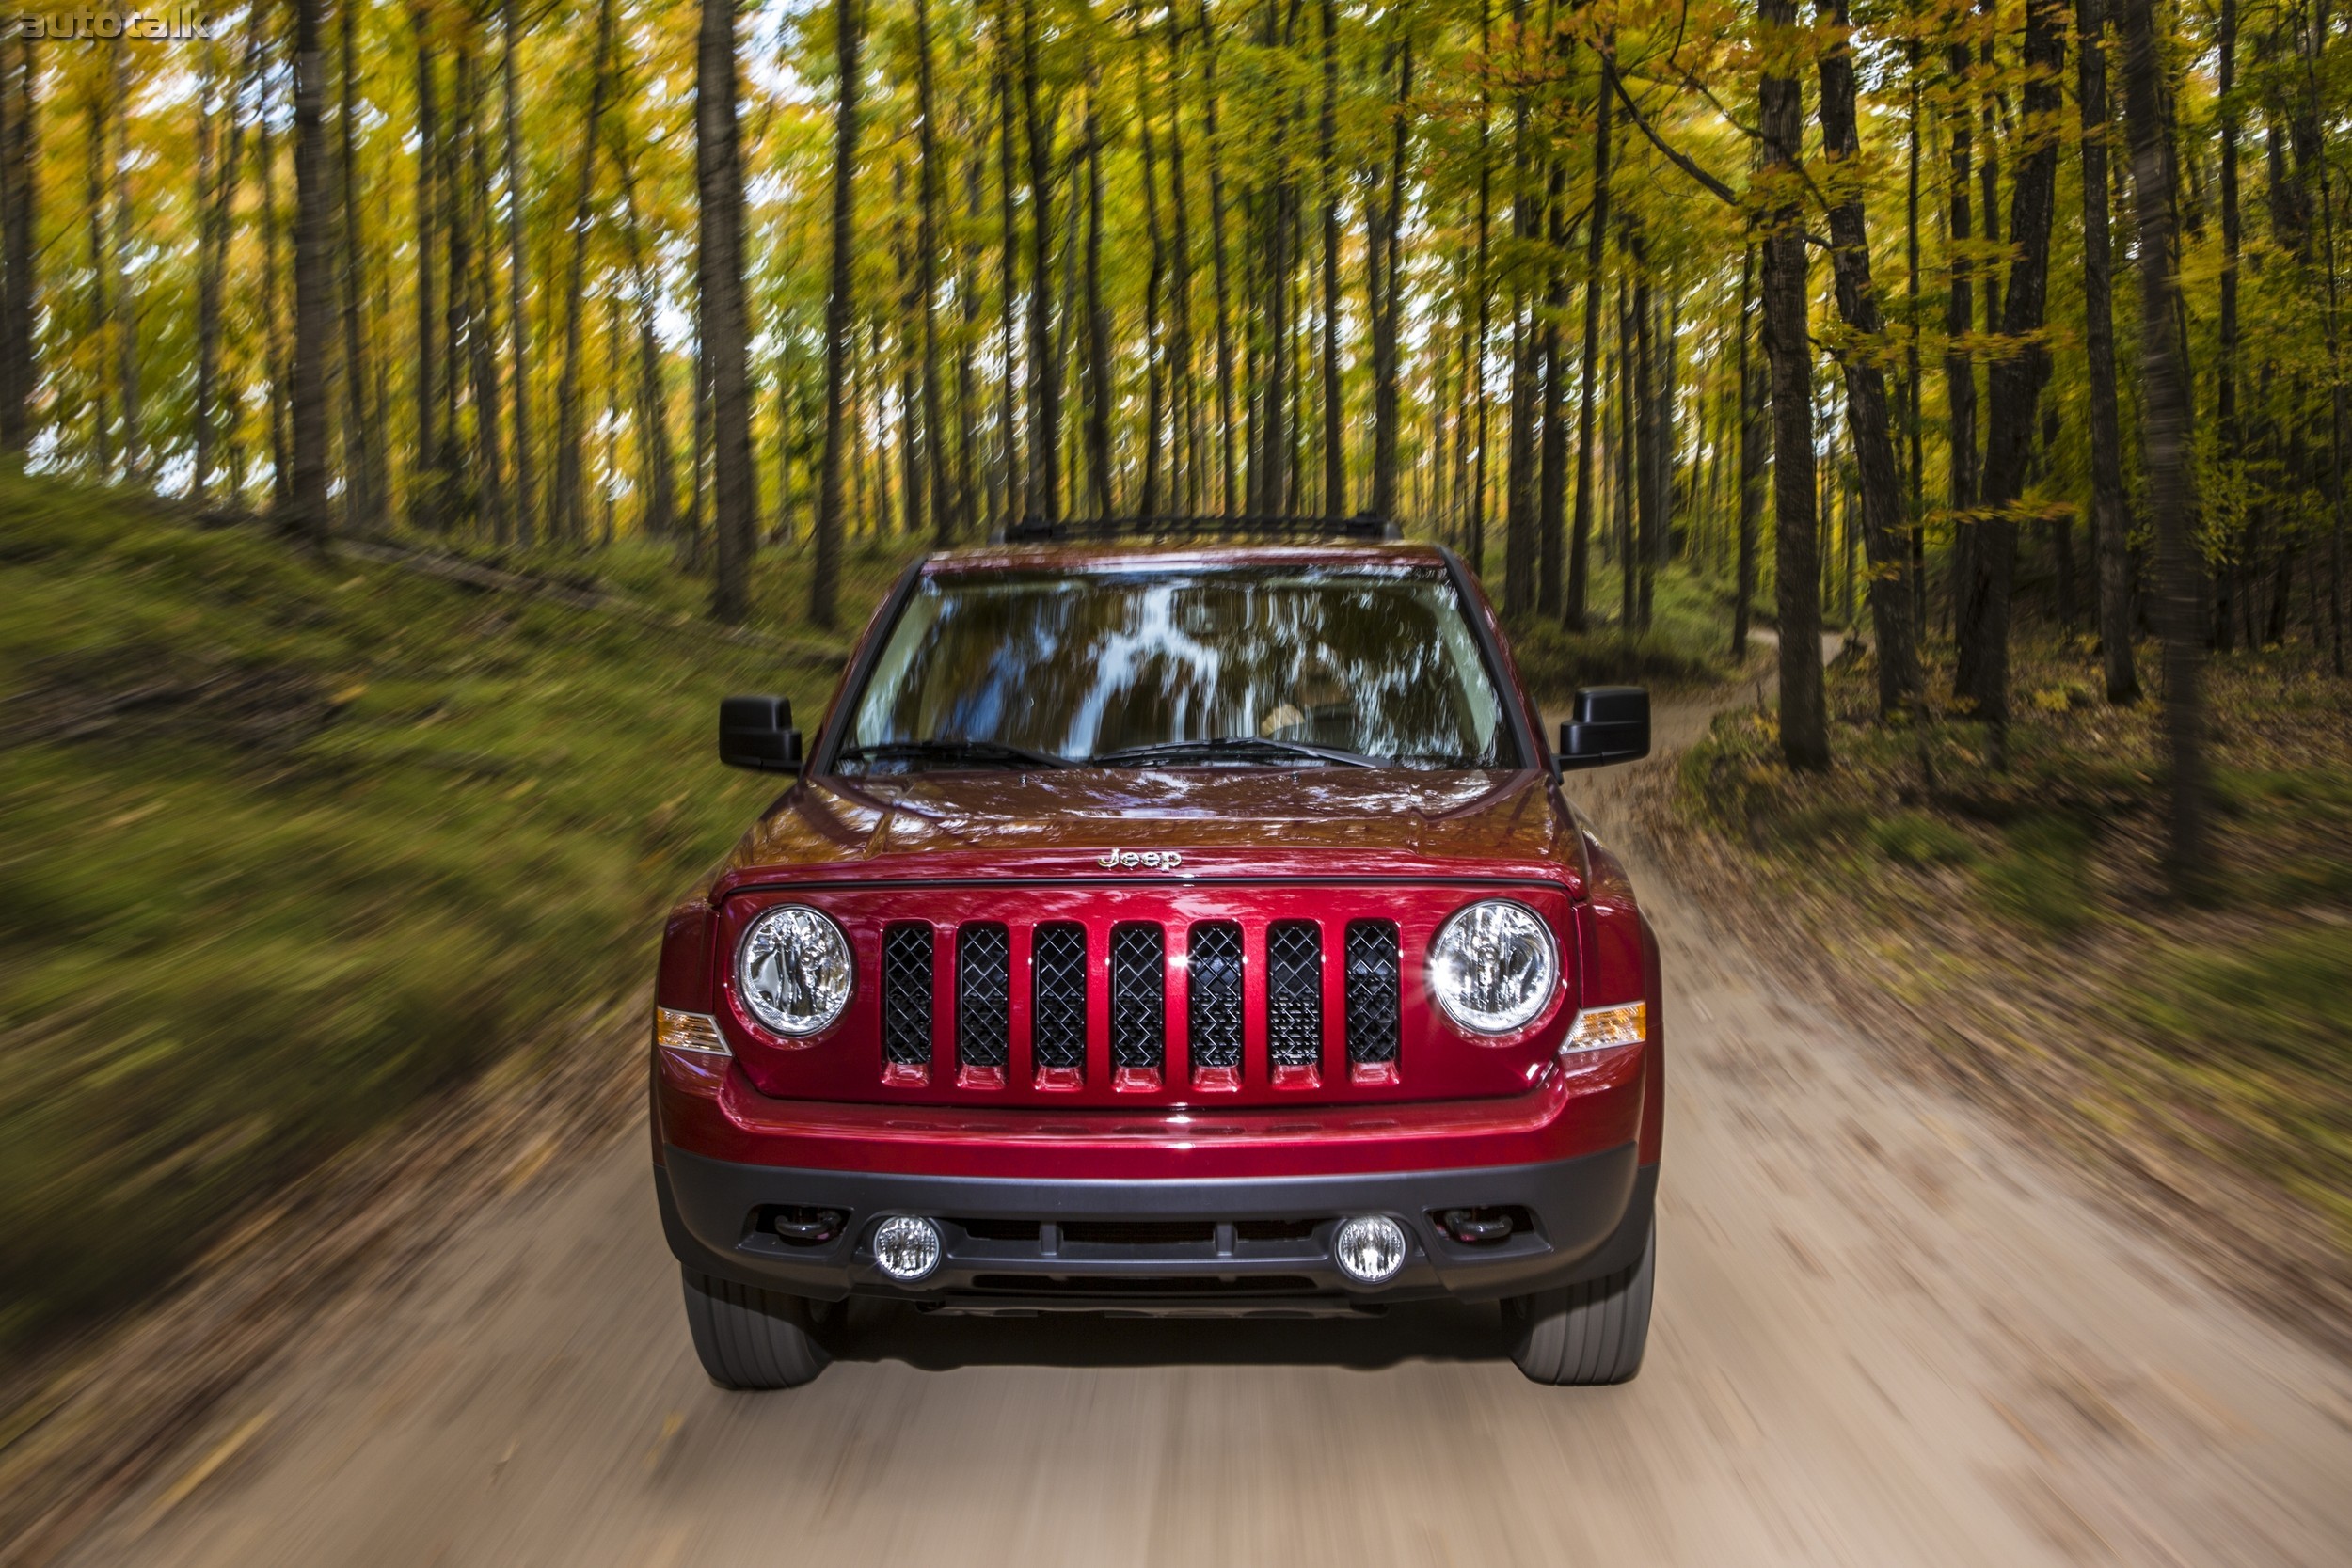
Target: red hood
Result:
[1235, 821]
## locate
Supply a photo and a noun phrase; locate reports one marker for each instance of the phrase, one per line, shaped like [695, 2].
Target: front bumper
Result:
[1253, 1245]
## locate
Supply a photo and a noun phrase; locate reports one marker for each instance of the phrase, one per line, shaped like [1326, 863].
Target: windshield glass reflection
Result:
[1258, 667]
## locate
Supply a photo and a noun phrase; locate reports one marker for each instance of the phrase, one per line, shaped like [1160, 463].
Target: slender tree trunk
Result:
[2226, 328]
[1519, 545]
[719, 181]
[363, 439]
[274, 321]
[2017, 376]
[1960, 371]
[1335, 502]
[1229, 486]
[566, 521]
[1011, 466]
[1159, 375]
[1804, 718]
[1188, 465]
[1596, 239]
[1918, 507]
[840, 304]
[1045, 366]
[944, 518]
[1899, 678]
[1648, 503]
[1100, 371]
[101, 273]
[1753, 439]
[481, 318]
[213, 256]
[1387, 292]
[517, 283]
[2164, 434]
[313, 286]
[19, 209]
[653, 417]
[2110, 523]
[426, 500]
[1475, 544]
[128, 304]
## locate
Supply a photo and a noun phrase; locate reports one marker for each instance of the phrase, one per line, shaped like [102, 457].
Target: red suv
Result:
[1167, 930]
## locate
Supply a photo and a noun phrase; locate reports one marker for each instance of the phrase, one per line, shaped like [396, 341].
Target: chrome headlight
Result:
[1494, 967]
[792, 970]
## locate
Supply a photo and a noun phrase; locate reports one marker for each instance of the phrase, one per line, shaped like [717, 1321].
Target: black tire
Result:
[751, 1338]
[1587, 1334]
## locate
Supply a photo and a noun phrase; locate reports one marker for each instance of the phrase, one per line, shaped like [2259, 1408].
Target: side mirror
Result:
[758, 732]
[1610, 724]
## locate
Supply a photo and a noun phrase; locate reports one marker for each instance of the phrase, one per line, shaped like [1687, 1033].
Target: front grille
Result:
[983, 997]
[1139, 1000]
[1215, 998]
[1058, 991]
[1372, 993]
[1293, 984]
[907, 996]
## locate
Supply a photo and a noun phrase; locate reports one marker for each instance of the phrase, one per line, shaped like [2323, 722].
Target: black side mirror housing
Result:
[1610, 723]
[758, 732]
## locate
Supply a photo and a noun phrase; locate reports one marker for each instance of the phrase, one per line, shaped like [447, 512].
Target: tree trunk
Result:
[1010, 467]
[2016, 378]
[1044, 487]
[19, 210]
[425, 502]
[1519, 546]
[1386, 291]
[1334, 415]
[273, 318]
[660, 515]
[481, 316]
[213, 256]
[1804, 718]
[101, 311]
[1960, 371]
[363, 438]
[1229, 487]
[127, 304]
[566, 522]
[1100, 371]
[944, 518]
[1596, 238]
[718, 183]
[517, 288]
[1898, 662]
[1187, 465]
[1753, 438]
[2164, 432]
[839, 306]
[313, 287]
[2109, 521]
[1648, 504]
[1159, 377]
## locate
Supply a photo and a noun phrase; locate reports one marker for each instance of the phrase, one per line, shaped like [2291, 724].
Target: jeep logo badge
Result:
[1151, 860]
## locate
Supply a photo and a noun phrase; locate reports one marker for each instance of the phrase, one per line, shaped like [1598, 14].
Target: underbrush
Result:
[1685, 645]
[2020, 915]
[296, 841]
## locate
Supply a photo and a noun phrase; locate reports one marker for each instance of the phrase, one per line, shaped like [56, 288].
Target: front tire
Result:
[1591, 1333]
[751, 1338]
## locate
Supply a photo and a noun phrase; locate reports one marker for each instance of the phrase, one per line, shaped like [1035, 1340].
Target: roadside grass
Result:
[298, 841]
[1687, 643]
[2020, 915]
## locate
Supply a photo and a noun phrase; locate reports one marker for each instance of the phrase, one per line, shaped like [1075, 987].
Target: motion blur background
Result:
[412, 422]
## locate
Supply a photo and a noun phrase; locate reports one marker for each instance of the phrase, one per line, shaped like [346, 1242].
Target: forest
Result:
[1849, 308]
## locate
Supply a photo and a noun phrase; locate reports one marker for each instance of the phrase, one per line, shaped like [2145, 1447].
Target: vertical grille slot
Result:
[1138, 1002]
[1058, 993]
[1294, 987]
[907, 1002]
[1214, 1020]
[1372, 993]
[983, 1002]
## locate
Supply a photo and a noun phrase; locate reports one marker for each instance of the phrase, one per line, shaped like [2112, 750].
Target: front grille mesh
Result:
[1372, 993]
[907, 996]
[1293, 984]
[1139, 1001]
[1058, 979]
[1215, 1010]
[983, 996]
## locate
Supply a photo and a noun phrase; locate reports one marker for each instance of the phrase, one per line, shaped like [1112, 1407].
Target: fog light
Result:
[907, 1247]
[1370, 1248]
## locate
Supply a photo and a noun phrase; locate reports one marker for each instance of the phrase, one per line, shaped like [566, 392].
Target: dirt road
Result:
[1886, 1335]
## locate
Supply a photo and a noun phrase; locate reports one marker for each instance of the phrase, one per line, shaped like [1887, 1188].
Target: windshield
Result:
[1234, 667]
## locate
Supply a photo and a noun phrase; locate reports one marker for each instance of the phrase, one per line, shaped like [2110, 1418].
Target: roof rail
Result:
[1364, 525]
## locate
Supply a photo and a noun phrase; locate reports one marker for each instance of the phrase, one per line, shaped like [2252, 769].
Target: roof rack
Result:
[1364, 525]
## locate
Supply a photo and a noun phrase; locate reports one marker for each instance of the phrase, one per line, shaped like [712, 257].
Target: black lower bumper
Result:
[1257, 1244]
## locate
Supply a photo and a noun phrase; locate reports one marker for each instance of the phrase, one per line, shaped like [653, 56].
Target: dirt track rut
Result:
[1886, 1335]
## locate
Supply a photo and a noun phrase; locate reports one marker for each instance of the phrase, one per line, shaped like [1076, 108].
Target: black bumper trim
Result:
[1591, 1215]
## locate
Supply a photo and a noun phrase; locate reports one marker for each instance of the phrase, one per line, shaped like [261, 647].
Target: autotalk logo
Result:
[182, 22]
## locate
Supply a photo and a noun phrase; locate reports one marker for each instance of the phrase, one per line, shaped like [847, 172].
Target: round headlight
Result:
[793, 970]
[1493, 967]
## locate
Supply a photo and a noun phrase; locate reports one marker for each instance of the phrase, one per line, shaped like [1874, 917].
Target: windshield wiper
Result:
[1239, 746]
[988, 752]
